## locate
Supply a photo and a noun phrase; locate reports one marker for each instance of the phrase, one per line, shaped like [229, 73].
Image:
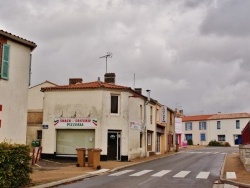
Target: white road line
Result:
[141, 173]
[161, 173]
[230, 175]
[203, 175]
[99, 171]
[121, 173]
[229, 186]
[181, 174]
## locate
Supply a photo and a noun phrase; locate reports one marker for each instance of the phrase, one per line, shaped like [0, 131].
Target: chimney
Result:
[75, 80]
[109, 78]
[138, 90]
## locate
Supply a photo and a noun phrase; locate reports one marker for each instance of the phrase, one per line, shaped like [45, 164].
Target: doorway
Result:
[114, 145]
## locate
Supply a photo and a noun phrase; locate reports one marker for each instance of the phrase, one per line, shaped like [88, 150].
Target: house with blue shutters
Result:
[15, 66]
[201, 129]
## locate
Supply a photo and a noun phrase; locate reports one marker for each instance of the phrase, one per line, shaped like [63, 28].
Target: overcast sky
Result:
[191, 54]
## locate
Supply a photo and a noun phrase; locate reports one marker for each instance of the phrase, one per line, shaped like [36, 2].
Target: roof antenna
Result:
[109, 54]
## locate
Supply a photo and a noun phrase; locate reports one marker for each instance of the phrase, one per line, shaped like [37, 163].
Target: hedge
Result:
[15, 165]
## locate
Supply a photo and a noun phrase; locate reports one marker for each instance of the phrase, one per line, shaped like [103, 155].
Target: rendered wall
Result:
[14, 95]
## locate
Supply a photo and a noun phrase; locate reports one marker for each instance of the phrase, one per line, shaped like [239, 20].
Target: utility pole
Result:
[109, 54]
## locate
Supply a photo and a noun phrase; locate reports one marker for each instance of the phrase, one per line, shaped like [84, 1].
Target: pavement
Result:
[49, 173]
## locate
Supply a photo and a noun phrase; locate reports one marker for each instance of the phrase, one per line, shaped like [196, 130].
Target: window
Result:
[5, 62]
[39, 134]
[203, 137]
[221, 138]
[114, 104]
[149, 139]
[188, 126]
[203, 125]
[218, 124]
[237, 124]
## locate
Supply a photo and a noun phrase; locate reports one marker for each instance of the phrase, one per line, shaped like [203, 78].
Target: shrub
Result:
[14, 165]
[190, 142]
[214, 143]
[227, 144]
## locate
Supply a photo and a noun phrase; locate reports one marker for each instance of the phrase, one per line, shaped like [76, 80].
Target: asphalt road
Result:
[190, 169]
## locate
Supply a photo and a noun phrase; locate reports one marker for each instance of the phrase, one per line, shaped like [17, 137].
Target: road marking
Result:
[230, 175]
[141, 173]
[181, 174]
[203, 175]
[229, 186]
[161, 173]
[121, 173]
[99, 171]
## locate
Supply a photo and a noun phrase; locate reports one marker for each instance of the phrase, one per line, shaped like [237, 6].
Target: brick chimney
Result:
[75, 80]
[109, 78]
[138, 90]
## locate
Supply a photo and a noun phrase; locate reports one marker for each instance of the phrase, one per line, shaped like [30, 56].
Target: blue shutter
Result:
[203, 137]
[5, 62]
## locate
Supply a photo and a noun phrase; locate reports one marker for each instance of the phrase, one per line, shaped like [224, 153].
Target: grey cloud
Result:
[230, 18]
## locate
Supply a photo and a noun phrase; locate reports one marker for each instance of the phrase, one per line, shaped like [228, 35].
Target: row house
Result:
[15, 71]
[202, 129]
[120, 121]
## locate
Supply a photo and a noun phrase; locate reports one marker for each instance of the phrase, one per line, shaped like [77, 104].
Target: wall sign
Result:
[75, 122]
[164, 114]
[136, 125]
[45, 126]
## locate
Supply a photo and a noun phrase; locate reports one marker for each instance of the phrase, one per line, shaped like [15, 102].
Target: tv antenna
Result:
[109, 54]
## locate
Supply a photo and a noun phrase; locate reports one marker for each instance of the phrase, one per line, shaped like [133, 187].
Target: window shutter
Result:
[199, 125]
[5, 62]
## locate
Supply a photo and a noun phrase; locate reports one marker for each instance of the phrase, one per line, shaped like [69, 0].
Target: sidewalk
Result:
[50, 173]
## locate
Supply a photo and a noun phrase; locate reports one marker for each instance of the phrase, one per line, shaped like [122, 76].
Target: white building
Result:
[15, 66]
[35, 112]
[202, 129]
[95, 115]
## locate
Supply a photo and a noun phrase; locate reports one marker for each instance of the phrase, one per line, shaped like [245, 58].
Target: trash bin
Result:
[80, 157]
[94, 157]
[90, 156]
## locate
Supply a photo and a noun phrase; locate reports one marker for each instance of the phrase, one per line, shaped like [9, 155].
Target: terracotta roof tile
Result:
[31, 44]
[88, 85]
[196, 117]
[215, 117]
[231, 116]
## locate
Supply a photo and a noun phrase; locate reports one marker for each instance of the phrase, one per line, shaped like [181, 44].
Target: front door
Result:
[114, 145]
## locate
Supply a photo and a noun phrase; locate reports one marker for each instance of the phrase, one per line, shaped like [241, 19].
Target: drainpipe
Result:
[145, 120]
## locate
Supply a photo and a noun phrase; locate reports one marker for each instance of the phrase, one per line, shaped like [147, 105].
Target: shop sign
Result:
[178, 125]
[164, 114]
[136, 125]
[75, 122]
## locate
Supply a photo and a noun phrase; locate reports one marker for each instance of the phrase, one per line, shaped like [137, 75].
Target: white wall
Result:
[14, 95]
[228, 128]
[95, 103]
[35, 99]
